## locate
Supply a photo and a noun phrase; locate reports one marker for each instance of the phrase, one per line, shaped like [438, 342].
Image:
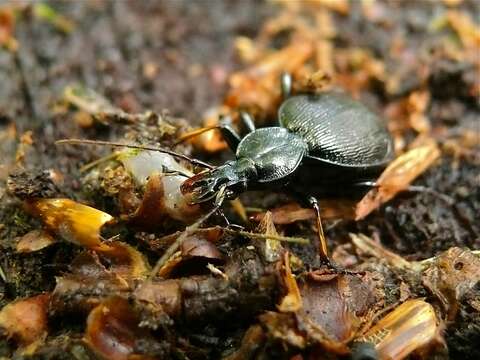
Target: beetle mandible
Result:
[322, 142]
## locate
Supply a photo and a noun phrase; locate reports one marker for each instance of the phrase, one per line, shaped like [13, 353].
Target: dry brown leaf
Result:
[272, 249]
[34, 240]
[292, 301]
[397, 177]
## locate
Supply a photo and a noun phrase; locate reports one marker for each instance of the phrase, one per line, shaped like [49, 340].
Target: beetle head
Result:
[231, 178]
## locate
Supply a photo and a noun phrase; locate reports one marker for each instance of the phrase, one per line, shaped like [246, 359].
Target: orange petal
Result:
[410, 326]
[75, 222]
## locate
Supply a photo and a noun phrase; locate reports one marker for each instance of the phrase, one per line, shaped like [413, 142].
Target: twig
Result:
[257, 236]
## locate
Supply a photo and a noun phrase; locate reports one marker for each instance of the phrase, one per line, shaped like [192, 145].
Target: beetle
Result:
[322, 142]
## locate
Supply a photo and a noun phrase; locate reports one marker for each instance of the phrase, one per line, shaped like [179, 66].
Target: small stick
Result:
[296, 240]
[130, 146]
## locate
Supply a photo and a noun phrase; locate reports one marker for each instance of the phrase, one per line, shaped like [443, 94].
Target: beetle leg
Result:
[247, 121]
[229, 134]
[323, 250]
[286, 85]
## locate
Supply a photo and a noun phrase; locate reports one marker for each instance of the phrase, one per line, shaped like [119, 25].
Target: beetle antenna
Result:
[130, 146]
[196, 132]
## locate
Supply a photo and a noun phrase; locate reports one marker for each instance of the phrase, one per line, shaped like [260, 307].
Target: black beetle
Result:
[323, 141]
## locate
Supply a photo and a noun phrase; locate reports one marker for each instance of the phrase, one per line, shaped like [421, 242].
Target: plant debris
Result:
[102, 254]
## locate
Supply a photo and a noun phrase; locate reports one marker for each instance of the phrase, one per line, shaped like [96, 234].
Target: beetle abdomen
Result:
[337, 129]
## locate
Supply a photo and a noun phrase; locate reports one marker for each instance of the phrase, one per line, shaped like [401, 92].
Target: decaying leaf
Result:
[411, 327]
[397, 177]
[25, 320]
[283, 327]
[125, 261]
[34, 240]
[450, 276]
[74, 222]
[88, 283]
[334, 310]
[328, 310]
[113, 330]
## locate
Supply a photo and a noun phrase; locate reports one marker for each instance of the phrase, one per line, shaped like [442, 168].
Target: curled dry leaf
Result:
[34, 240]
[272, 249]
[410, 327]
[397, 177]
[74, 222]
[195, 247]
[113, 330]
[450, 276]
[194, 255]
[125, 261]
[26, 320]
